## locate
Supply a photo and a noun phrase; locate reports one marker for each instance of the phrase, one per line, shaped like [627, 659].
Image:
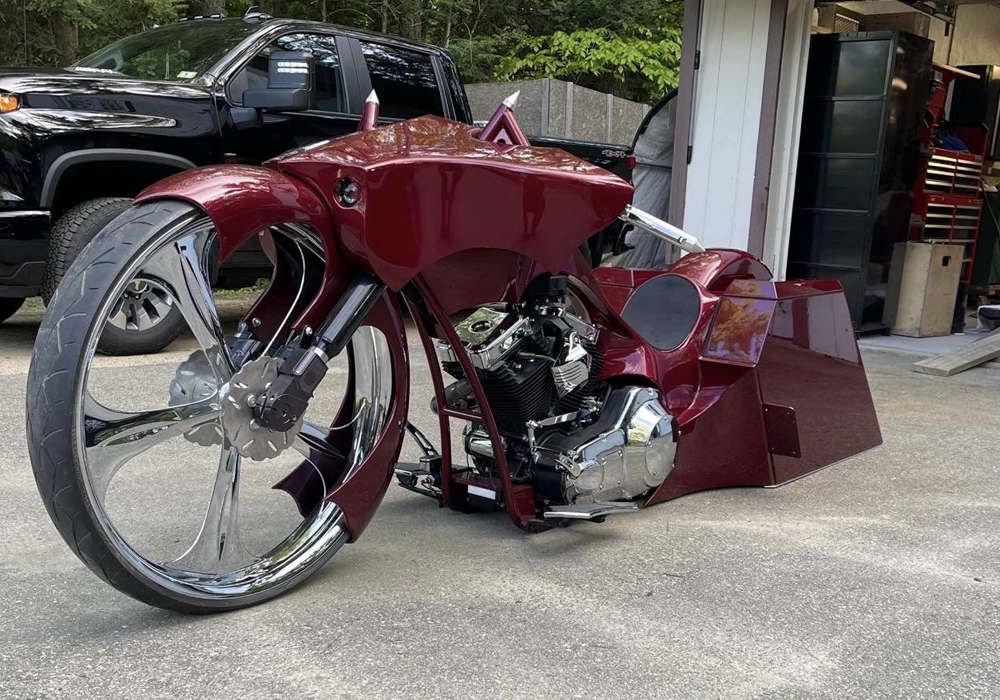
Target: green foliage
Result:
[608, 57]
[96, 23]
[478, 56]
[629, 48]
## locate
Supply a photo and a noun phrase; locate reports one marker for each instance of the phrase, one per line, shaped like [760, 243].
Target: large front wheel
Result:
[157, 475]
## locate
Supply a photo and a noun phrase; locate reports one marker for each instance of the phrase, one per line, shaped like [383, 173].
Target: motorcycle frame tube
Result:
[444, 422]
[518, 516]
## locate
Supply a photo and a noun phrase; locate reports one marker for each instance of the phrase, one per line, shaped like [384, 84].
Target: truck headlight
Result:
[8, 103]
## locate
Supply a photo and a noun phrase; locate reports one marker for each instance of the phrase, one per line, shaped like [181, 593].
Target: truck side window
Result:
[330, 94]
[404, 80]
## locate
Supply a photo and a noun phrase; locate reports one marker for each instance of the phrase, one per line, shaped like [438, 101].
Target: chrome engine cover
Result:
[486, 345]
[627, 452]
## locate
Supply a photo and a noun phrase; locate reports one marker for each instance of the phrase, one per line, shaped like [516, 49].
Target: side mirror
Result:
[289, 84]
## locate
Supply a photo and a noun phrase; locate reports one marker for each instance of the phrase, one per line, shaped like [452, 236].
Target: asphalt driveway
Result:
[877, 578]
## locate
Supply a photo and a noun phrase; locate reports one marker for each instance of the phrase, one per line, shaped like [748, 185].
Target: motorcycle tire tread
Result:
[50, 429]
[69, 236]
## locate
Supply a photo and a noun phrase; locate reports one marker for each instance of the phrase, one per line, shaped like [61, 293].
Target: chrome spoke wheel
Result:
[112, 438]
[218, 546]
[181, 479]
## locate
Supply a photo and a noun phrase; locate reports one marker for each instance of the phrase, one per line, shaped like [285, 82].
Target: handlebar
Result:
[658, 227]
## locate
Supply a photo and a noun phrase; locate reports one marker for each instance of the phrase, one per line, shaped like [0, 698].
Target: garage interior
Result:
[858, 141]
[931, 133]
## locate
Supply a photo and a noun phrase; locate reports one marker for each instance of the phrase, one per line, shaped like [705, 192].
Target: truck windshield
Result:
[181, 52]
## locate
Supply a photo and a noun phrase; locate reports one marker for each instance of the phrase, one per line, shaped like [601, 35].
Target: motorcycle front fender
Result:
[245, 200]
[361, 492]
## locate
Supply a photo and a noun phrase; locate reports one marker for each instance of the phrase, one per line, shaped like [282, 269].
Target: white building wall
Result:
[788, 127]
[726, 123]
[727, 109]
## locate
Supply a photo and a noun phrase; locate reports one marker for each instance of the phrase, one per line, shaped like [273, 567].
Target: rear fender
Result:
[244, 200]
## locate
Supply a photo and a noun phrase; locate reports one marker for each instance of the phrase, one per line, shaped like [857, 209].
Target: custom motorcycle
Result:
[582, 394]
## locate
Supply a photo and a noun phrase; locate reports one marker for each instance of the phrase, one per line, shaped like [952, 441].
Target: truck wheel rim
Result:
[218, 564]
[141, 306]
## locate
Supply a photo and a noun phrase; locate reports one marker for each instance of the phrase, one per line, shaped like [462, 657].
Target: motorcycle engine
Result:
[575, 439]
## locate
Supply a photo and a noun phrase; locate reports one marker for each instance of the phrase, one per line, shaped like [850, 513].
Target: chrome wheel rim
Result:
[218, 563]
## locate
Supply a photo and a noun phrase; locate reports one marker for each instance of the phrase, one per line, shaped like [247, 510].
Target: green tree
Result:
[609, 61]
[630, 48]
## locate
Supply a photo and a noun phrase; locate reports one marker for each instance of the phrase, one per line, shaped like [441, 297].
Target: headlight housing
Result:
[8, 102]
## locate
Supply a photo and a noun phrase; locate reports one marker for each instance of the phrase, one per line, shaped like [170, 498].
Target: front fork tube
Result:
[286, 399]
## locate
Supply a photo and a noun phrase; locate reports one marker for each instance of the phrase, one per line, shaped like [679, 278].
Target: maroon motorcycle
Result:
[582, 393]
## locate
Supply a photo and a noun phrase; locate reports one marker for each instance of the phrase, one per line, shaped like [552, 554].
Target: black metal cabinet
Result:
[866, 94]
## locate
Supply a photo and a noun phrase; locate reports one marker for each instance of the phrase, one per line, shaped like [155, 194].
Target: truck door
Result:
[338, 99]
[408, 81]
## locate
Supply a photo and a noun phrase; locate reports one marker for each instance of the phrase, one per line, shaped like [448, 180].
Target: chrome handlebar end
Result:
[658, 227]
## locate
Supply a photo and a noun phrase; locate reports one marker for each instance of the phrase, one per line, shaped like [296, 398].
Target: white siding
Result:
[788, 126]
[726, 123]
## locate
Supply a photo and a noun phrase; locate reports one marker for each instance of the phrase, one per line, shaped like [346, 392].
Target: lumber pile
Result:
[963, 358]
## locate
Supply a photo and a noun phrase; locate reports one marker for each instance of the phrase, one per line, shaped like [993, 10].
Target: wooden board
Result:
[986, 290]
[963, 358]
[957, 71]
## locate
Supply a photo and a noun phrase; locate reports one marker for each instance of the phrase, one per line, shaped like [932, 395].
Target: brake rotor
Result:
[195, 381]
[250, 438]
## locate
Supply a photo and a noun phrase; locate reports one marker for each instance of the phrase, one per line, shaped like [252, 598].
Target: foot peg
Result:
[412, 471]
[593, 512]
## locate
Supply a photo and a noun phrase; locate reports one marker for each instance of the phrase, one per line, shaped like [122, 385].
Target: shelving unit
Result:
[947, 198]
[865, 99]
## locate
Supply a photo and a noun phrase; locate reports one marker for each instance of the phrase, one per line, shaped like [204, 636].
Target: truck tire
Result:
[9, 307]
[71, 233]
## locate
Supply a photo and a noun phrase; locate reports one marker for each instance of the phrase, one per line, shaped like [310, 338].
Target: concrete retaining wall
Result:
[550, 107]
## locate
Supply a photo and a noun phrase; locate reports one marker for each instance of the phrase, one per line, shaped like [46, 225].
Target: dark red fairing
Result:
[768, 385]
[432, 189]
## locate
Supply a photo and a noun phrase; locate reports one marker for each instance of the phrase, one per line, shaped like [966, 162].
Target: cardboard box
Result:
[912, 22]
[923, 288]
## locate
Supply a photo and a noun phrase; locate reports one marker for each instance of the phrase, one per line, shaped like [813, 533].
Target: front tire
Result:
[145, 321]
[78, 445]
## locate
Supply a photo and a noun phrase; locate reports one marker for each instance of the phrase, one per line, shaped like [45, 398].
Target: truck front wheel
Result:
[144, 320]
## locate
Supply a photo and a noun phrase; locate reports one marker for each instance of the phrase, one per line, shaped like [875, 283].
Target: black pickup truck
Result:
[78, 143]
